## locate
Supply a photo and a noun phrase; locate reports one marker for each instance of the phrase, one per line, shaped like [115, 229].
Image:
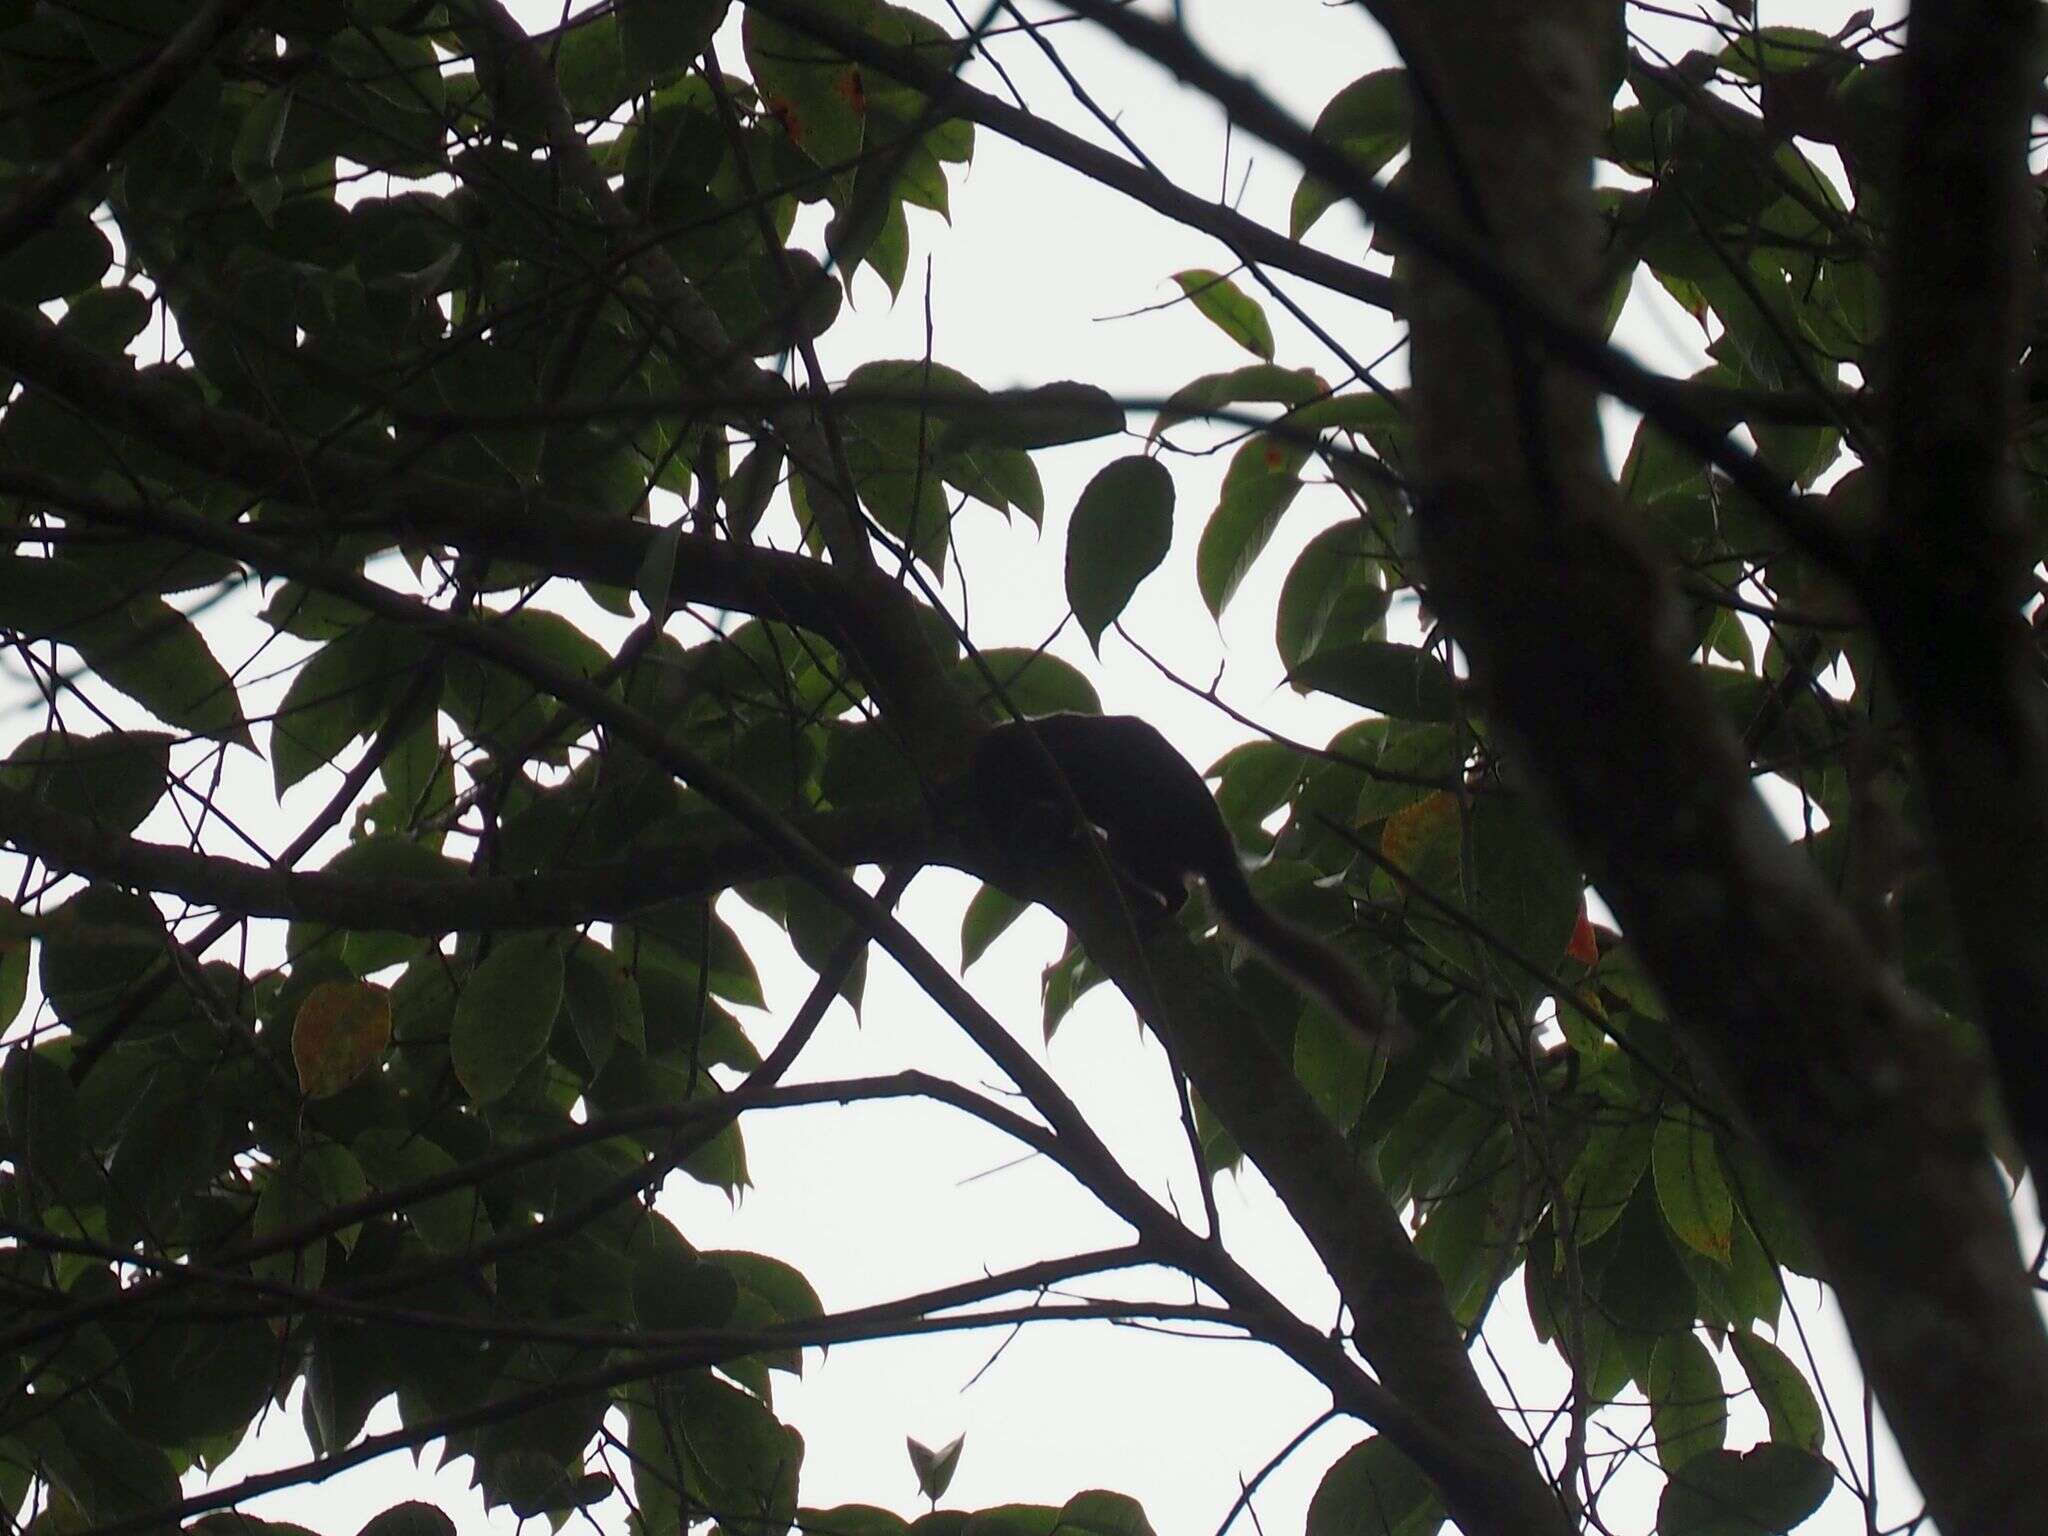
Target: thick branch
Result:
[332, 481]
[862, 612]
[1947, 604]
[87, 157]
[1252, 240]
[1399, 1318]
[1571, 628]
[461, 903]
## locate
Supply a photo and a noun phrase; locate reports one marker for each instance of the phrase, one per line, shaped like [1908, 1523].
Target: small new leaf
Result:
[1233, 312]
[934, 1469]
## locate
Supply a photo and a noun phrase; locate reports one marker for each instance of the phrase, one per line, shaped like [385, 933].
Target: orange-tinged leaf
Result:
[1413, 829]
[339, 1034]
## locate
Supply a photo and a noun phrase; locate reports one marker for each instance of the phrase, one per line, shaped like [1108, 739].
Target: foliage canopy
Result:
[480, 363]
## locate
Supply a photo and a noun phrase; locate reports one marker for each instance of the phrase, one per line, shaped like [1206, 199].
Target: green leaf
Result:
[1688, 1404]
[1784, 51]
[592, 68]
[337, 695]
[1658, 467]
[1228, 307]
[110, 1473]
[312, 614]
[495, 705]
[336, 1179]
[1005, 1520]
[1026, 682]
[1121, 530]
[1060, 412]
[14, 956]
[1368, 121]
[853, 1520]
[113, 779]
[105, 947]
[1256, 779]
[1644, 1289]
[66, 256]
[817, 926]
[412, 1518]
[771, 304]
[106, 319]
[1334, 594]
[453, 1221]
[1360, 411]
[750, 488]
[657, 574]
[288, 1201]
[1526, 883]
[505, 1013]
[374, 858]
[989, 913]
[1691, 1186]
[890, 446]
[1400, 681]
[604, 1004]
[419, 778]
[384, 96]
[780, 1287]
[739, 1460]
[1255, 382]
[254, 156]
[39, 1107]
[1263, 479]
[137, 643]
[1788, 1402]
[1760, 1492]
[1605, 1175]
[882, 240]
[807, 88]
[672, 1287]
[1373, 1488]
[1098, 1512]
[695, 938]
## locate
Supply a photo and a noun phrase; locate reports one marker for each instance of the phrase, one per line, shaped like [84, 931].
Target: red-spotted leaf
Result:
[1263, 479]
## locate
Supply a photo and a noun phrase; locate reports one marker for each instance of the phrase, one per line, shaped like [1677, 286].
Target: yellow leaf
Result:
[340, 1032]
[1414, 830]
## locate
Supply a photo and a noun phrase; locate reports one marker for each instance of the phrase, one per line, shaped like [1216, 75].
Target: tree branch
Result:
[147, 93]
[474, 903]
[1946, 602]
[1854, 1088]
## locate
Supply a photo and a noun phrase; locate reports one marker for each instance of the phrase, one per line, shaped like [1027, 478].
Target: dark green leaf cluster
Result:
[412, 395]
